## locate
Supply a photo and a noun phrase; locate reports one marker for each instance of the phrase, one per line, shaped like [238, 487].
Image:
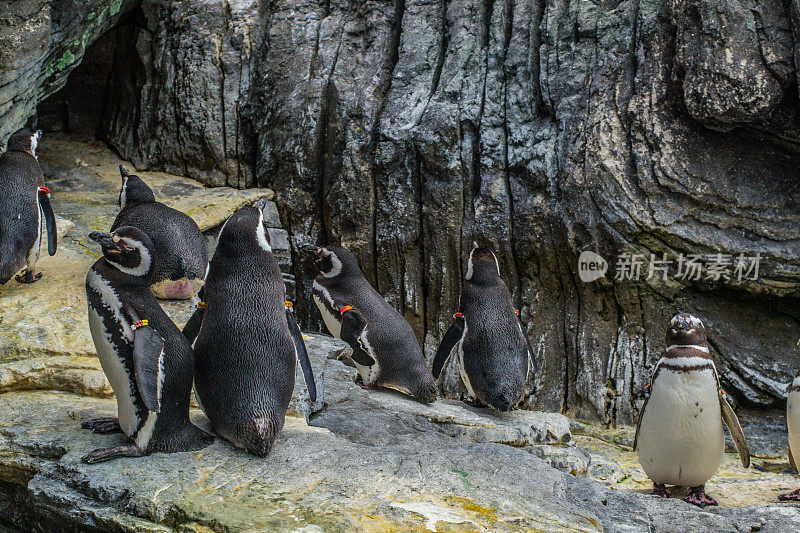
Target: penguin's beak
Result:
[105, 239]
[261, 204]
[310, 249]
[683, 324]
[123, 171]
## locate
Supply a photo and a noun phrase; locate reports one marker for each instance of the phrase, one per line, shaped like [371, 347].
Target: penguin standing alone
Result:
[181, 257]
[24, 201]
[385, 351]
[145, 356]
[245, 338]
[793, 426]
[679, 437]
[494, 354]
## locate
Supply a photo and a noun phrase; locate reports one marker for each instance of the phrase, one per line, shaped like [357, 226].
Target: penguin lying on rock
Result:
[245, 338]
[679, 436]
[793, 425]
[24, 201]
[144, 355]
[385, 351]
[181, 257]
[494, 355]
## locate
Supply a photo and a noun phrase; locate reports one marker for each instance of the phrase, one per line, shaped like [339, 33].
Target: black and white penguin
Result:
[385, 351]
[679, 437]
[145, 356]
[245, 338]
[494, 355]
[793, 426]
[24, 202]
[181, 257]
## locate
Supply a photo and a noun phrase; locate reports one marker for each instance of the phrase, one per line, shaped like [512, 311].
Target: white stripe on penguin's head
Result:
[336, 264]
[144, 255]
[261, 232]
[35, 142]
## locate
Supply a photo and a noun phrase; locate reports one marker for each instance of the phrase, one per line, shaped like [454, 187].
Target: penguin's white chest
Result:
[332, 322]
[681, 440]
[793, 422]
[118, 376]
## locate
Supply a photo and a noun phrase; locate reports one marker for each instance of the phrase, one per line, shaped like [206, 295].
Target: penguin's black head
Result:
[127, 249]
[24, 140]
[686, 329]
[245, 232]
[482, 266]
[134, 190]
[333, 261]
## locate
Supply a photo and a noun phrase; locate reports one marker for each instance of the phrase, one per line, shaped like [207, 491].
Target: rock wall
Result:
[408, 129]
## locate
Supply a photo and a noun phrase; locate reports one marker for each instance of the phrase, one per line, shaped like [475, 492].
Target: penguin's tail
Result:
[7, 269]
[263, 433]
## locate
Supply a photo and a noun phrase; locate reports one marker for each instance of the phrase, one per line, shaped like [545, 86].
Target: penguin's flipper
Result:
[353, 326]
[302, 355]
[148, 362]
[639, 424]
[49, 219]
[791, 460]
[449, 341]
[192, 328]
[735, 429]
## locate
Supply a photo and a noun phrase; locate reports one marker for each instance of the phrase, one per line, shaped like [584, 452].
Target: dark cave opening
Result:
[101, 94]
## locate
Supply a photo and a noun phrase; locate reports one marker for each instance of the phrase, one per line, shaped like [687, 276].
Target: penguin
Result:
[181, 257]
[793, 426]
[145, 356]
[245, 338]
[494, 354]
[24, 202]
[385, 351]
[679, 437]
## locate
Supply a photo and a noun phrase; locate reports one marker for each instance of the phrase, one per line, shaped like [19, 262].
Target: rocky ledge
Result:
[364, 460]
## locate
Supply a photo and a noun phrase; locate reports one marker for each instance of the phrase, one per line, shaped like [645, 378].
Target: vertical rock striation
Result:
[407, 129]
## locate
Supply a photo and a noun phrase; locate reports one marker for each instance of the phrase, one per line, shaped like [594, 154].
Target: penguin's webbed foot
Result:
[474, 402]
[661, 490]
[106, 454]
[106, 424]
[697, 496]
[358, 380]
[28, 277]
[793, 496]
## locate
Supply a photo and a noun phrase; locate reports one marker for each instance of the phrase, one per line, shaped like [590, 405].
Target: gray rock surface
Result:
[406, 129]
[324, 478]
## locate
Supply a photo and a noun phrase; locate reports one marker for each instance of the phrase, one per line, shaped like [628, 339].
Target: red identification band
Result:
[516, 311]
[458, 315]
[345, 309]
[137, 325]
[45, 189]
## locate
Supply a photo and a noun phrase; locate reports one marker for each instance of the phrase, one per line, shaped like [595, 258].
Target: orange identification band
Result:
[458, 315]
[201, 305]
[137, 325]
[288, 304]
[345, 309]
[516, 311]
